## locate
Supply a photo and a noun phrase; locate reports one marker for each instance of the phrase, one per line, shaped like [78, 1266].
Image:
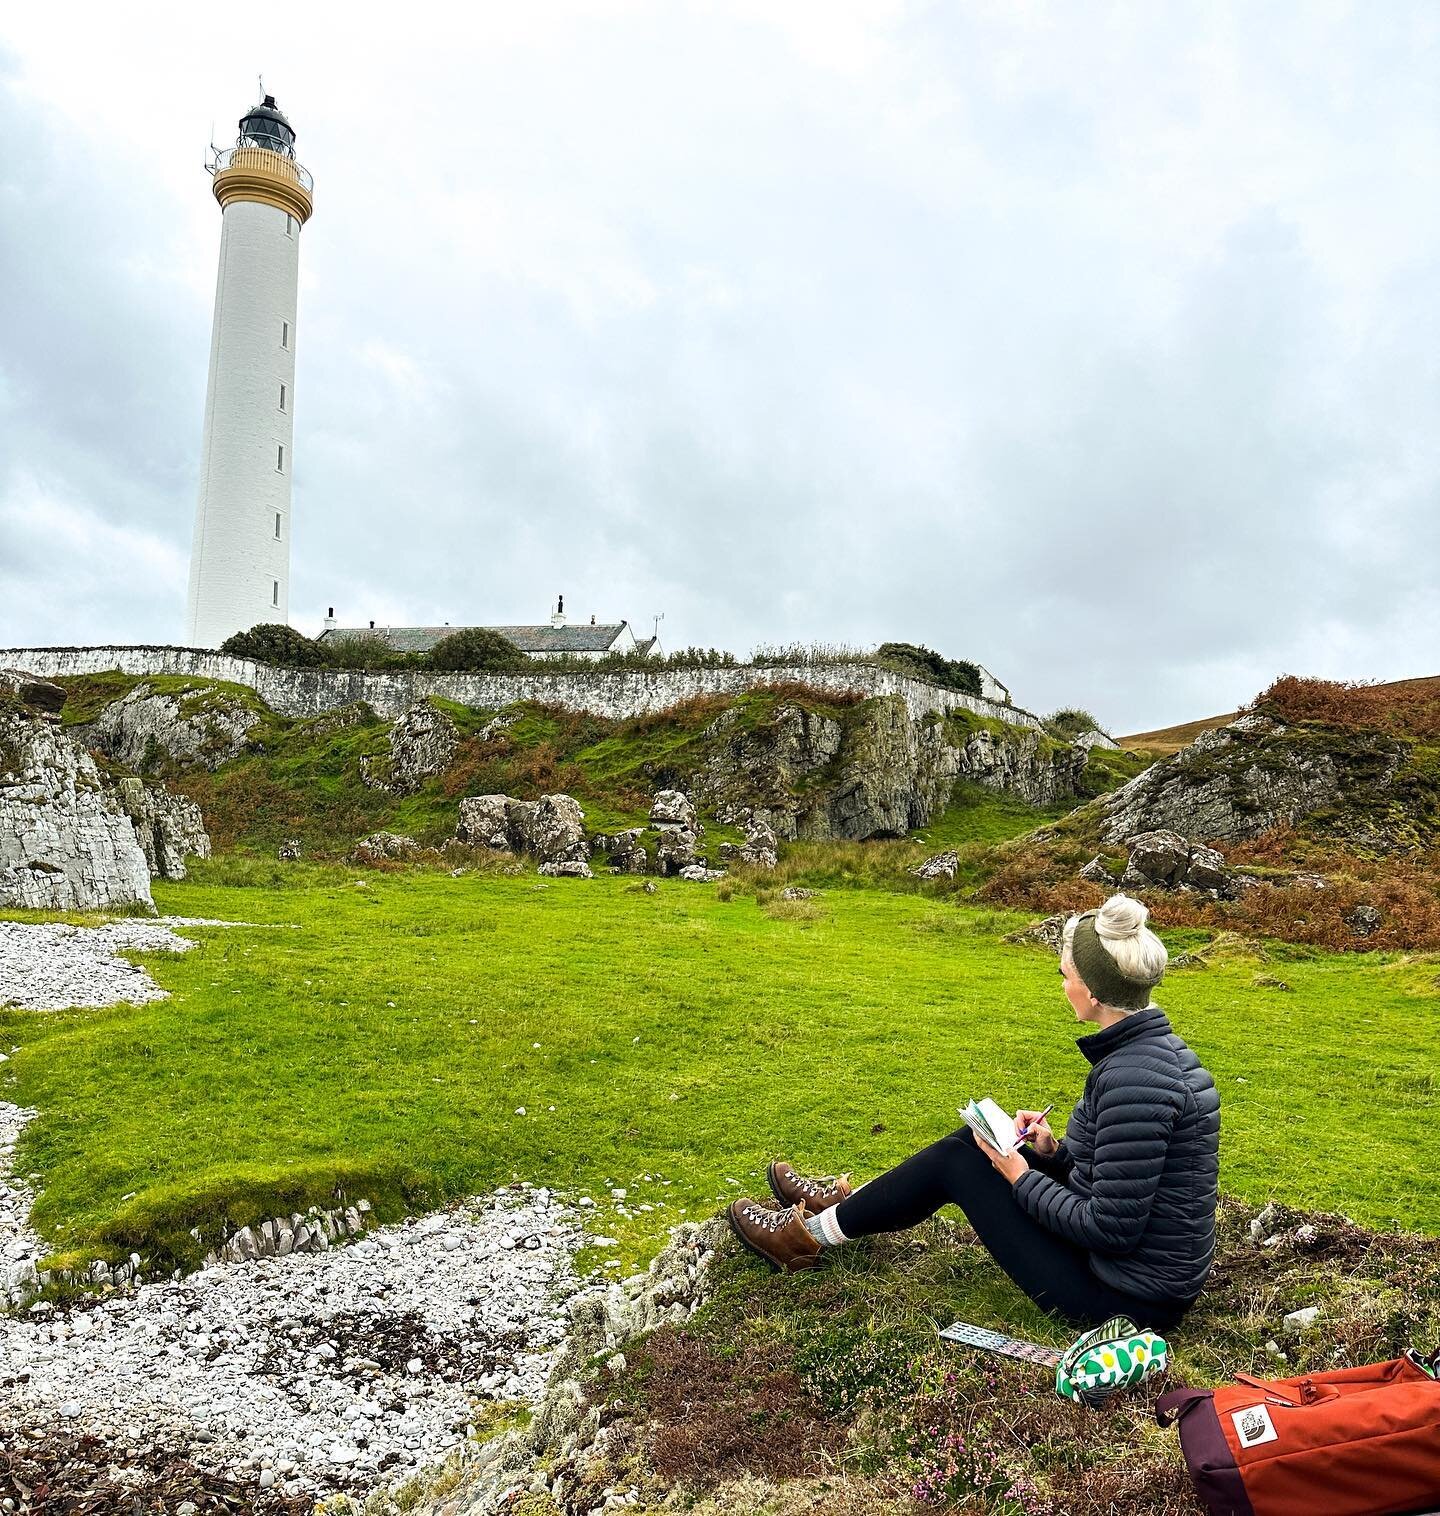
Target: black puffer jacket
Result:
[1136, 1179]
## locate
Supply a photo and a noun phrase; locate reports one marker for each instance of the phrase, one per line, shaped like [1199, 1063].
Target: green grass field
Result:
[381, 1030]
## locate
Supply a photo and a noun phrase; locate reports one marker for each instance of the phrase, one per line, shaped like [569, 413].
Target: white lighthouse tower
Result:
[240, 556]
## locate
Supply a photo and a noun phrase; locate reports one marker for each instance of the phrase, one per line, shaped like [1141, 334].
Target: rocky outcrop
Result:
[422, 744]
[1244, 779]
[677, 832]
[551, 828]
[147, 730]
[169, 828]
[876, 772]
[66, 843]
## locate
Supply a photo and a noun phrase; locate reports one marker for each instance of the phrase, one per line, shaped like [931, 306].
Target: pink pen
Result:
[1021, 1136]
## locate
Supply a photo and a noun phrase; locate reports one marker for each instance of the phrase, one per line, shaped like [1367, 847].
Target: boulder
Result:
[42, 699]
[378, 847]
[1096, 872]
[147, 730]
[1049, 933]
[876, 771]
[1159, 857]
[66, 842]
[169, 828]
[1206, 870]
[290, 850]
[697, 873]
[672, 808]
[674, 849]
[485, 821]
[1364, 920]
[760, 848]
[572, 868]
[551, 828]
[422, 744]
[938, 866]
[797, 892]
[624, 851]
[677, 831]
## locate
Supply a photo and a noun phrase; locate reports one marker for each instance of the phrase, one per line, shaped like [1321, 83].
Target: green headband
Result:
[1101, 973]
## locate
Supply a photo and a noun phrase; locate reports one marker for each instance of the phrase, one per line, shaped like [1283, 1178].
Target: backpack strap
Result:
[1175, 1404]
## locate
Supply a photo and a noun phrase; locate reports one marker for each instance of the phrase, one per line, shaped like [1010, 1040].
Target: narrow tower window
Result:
[274, 592]
[280, 458]
[289, 226]
[282, 397]
[285, 334]
[277, 526]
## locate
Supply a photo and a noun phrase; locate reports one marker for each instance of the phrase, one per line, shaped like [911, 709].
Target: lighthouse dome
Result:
[265, 125]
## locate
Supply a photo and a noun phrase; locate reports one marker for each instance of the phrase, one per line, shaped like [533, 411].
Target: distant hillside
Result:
[1170, 739]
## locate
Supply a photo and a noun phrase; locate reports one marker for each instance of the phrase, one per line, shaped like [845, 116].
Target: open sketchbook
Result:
[989, 1121]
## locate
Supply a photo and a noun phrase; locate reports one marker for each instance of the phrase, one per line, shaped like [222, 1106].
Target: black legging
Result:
[1054, 1273]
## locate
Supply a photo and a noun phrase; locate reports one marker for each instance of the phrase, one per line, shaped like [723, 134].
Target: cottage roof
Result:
[544, 638]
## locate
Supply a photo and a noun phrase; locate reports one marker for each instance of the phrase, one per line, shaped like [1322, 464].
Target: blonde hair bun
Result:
[1121, 918]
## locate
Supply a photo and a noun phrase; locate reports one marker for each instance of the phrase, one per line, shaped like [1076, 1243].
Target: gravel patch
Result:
[52, 966]
[259, 1386]
[311, 1373]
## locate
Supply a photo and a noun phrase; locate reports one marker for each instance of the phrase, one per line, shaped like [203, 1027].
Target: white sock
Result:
[825, 1228]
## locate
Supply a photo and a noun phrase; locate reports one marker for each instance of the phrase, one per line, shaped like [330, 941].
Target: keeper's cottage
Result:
[556, 638]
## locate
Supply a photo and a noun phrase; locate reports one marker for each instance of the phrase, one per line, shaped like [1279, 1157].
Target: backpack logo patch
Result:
[1253, 1425]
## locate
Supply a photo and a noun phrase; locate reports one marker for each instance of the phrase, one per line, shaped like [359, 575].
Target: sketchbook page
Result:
[1002, 1125]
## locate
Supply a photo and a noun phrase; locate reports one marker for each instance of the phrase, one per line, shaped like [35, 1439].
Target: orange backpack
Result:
[1352, 1442]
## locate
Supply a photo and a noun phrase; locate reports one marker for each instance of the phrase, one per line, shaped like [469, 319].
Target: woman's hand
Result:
[1039, 1133]
[1011, 1165]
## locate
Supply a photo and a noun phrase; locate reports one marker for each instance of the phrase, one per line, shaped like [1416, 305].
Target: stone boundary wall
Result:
[617, 694]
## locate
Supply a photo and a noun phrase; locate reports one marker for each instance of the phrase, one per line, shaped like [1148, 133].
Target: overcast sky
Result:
[1098, 343]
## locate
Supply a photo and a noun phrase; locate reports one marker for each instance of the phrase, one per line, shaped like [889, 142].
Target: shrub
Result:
[367, 651]
[1071, 722]
[924, 663]
[476, 650]
[1410, 708]
[273, 643]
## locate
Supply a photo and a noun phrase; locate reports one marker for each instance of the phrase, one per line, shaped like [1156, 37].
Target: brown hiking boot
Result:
[816, 1195]
[779, 1237]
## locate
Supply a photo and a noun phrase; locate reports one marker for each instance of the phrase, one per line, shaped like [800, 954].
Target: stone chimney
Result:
[557, 616]
[330, 619]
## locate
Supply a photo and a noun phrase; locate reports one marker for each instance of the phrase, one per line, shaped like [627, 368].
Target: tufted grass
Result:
[373, 1032]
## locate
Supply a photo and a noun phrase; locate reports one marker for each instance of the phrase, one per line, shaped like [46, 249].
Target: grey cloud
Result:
[1098, 345]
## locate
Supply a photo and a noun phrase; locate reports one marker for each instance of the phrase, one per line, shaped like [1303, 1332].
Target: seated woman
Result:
[1118, 1219]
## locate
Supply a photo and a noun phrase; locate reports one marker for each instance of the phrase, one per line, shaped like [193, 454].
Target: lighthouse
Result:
[240, 554]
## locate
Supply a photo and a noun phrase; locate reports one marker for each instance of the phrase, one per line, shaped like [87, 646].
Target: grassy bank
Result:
[381, 1032]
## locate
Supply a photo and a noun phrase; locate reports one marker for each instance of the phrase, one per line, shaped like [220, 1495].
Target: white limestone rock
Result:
[201, 728]
[65, 842]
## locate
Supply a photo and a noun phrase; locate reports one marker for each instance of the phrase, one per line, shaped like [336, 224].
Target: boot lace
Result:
[816, 1189]
[765, 1219]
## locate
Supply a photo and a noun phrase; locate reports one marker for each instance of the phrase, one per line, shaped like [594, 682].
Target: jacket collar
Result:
[1133, 1028]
